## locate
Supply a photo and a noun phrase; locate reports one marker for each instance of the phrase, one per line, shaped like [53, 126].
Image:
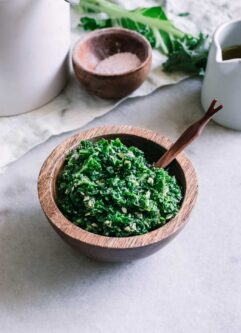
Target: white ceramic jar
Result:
[223, 77]
[34, 48]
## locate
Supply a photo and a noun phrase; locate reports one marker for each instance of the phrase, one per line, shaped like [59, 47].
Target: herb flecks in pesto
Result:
[109, 189]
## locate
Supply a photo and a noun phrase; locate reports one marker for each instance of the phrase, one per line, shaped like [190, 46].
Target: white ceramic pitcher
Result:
[34, 47]
[223, 78]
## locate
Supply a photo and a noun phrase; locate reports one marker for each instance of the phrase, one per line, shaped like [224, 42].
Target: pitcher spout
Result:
[225, 37]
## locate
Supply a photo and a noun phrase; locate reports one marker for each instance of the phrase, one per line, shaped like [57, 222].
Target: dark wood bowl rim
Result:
[46, 182]
[100, 32]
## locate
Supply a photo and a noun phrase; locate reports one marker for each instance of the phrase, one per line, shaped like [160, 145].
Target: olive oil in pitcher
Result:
[232, 52]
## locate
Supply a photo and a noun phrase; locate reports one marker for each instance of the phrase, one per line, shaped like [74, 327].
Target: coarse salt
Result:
[118, 63]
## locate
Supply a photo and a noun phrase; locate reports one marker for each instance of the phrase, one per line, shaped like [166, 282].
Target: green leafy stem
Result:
[184, 52]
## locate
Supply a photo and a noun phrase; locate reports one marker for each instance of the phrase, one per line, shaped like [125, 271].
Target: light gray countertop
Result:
[191, 285]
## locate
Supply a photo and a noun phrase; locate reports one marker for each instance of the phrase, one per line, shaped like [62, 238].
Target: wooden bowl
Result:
[117, 248]
[100, 44]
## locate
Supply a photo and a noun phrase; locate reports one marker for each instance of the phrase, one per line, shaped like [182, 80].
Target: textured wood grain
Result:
[113, 248]
[190, 134]
[100, 44]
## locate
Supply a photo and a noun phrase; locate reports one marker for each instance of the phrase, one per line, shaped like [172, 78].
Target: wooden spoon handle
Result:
[188, 136]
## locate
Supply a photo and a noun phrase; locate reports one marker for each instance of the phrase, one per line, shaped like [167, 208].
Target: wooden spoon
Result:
[191, 133]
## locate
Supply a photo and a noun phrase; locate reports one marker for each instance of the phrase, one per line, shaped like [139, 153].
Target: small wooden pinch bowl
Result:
[117, 249]
[99, 45]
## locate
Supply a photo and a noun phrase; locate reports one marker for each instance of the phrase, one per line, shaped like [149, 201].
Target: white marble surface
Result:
[191, 285]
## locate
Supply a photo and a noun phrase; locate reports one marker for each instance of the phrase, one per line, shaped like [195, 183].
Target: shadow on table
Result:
[35, 262]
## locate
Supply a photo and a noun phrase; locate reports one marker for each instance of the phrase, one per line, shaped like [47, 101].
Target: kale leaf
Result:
[184, 52]
[110, 189]
[189, 54]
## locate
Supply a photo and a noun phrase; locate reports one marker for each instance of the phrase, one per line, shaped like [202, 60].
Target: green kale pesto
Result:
[109, 189]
